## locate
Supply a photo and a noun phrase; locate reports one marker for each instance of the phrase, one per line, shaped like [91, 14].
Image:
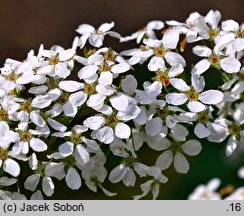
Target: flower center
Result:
[176, 147]
[163, 113]
[192, 95]
[26, 136]
[12, 77]
[26, 106]
[54, 60]
[3, 154]
[240, 33]
[214, 59]
[104, 66]
[203, 117]
[213, 33]
[3, 115]
[111, 120]
[89, 89]
[41, 170]
[76, 138]
[234, 129]
[63, 99]
[52, 83]
[69, 161]
[129, 161]
[163, 78]
[109, 55]
[159, 51]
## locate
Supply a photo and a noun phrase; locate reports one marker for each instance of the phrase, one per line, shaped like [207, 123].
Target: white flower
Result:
[195, 95]
[153, 184]
[206, 192]
[173, 154]
[95, 37]
[76, 145]
[7, 136]
[227, 64]
[146, 31]
[8, 164]
[110, 125]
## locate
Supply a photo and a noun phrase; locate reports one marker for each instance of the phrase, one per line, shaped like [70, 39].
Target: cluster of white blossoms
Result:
[72, 114]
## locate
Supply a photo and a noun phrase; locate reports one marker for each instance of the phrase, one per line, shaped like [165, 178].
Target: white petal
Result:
[230, 25]
[94, 122]
[129, 84]
[179, 132]
[87, 71]
[201, 67]
[105, 90]
[198, 83]
[73, 179]
[180, 163]
[38, 89]
[56, 170]
[41, 101]
[171, 38]
[122, 130]
[70, 86]
[47, 186]
[78, 98]
[56, 125]
[117, 174]
[37, 196]
[90, 143]
[211, 97]
[96, 101]
[154, 126]
[66, 54]
[120, 68]
[153, 89]
[231, 146]
[81, 155]
[179, 84]
[192, 147]
[38, 145]
[106, 27]
[130, 178]
[164, 160]
[196, 106]
[31, 182]
[37, 119]
[96, 40]
[5, 181]
[105, 135]
[155, 25]
[69, 109]
[106, 78]
[230, 65]
[12, 167]
[175, 70]
[156, 63]
[202, 51]
[201, 131]
[174, 59]
[120, 102]
[176, 98]
[85, 29]
[66, 149]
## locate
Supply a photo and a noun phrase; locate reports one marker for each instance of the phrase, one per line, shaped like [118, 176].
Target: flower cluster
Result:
[67, 113]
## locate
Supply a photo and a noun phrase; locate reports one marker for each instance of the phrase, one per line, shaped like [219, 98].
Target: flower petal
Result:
[122, 130]
[192, 147]
[180, 163]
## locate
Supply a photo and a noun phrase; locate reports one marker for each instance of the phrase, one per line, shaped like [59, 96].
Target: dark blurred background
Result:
[25, 24]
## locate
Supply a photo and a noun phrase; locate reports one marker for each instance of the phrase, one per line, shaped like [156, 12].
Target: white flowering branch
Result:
[67, 113]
